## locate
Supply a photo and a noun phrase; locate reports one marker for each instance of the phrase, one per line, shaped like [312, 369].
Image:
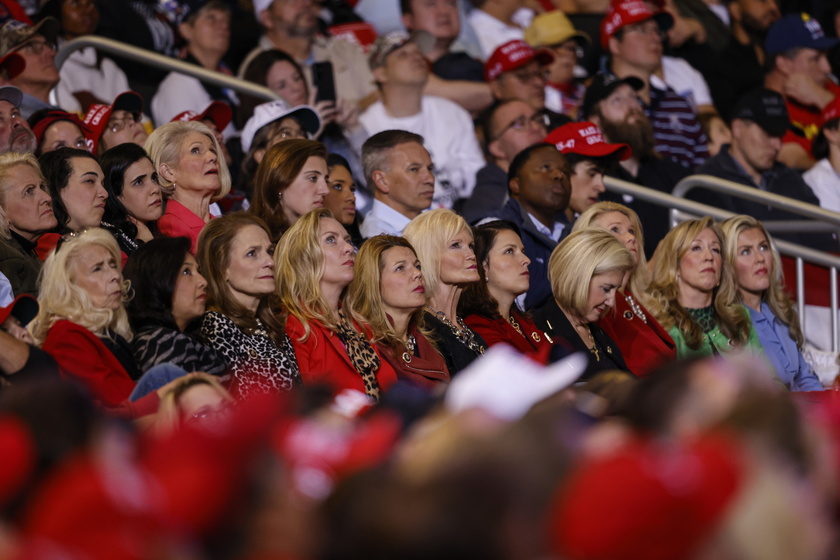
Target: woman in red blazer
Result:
[83, 325]
[389, 293]
[489, 306]
[315, 262]
[643, 342]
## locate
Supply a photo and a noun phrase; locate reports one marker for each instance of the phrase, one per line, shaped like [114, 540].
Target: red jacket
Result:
[322, 359]
[644, 347]
[427, 368]
[81, 355]
[534, 344]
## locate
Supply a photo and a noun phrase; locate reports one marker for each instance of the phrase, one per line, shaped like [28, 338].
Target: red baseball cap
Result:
[54, 116]
[586, 139]
[513, 55]
[628, 12]
[649, 500]
[218, 111]
[98, 115]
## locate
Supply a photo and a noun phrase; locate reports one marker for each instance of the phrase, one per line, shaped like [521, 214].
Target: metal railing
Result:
[800, 253]
[163, 62]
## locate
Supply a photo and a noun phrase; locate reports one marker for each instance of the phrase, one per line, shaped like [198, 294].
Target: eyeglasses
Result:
[650, 28]
[116, 124]
[530, 75]
[36, 47]
[288, 132]
[523, 122]
[570, 47]
[209, 413]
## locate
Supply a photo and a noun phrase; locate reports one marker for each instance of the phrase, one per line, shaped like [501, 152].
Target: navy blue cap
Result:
[797, 31]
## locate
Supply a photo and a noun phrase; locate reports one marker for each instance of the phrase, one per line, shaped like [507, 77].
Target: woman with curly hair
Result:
[82, 322]
[315, 262]
[693, 293]
[388, 291]
[643, 342]
[753, 256]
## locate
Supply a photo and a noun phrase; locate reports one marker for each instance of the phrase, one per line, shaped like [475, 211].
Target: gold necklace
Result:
[463, 333]
[594, 348]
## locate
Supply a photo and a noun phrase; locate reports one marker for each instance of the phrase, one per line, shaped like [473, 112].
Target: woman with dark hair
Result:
[169, 295]
[57, 129]
[341, 196]
[278, 71]
[388, 291]
[134, 201]
[235, 255]
[75, 181]
[489, 305]
[291, 181]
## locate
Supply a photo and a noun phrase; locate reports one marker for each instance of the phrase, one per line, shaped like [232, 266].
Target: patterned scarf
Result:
[361, 354]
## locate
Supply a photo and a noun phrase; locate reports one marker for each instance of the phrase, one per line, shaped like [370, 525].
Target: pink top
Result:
[178, 221]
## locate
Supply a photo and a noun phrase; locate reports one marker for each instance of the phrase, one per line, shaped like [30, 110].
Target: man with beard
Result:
[740, 67]
[613, 104]
[292, 26]
[759, 121]
[15, 134]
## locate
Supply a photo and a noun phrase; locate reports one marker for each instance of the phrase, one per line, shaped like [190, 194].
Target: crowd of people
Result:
[394, 313]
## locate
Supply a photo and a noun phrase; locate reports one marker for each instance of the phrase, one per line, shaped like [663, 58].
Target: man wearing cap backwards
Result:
[36, 45]
[759, 121]
[508, 127]
[516, 71]
[554, 32]
[589, 157]
[824, 177]
[614, 106]
[797, 50]
[15, 134]
[633, 35]
[401, 71]
[399, 170]
[292, 26]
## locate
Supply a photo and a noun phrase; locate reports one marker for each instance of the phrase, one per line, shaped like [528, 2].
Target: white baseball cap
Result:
[272, 111]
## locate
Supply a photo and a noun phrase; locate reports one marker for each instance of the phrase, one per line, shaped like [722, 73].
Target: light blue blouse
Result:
[781, 350]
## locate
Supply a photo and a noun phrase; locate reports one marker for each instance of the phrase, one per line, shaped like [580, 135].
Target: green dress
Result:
[714, 341]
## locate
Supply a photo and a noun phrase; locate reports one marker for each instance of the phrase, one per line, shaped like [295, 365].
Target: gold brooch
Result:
[406, 357]
[628, 315]
[535, 336]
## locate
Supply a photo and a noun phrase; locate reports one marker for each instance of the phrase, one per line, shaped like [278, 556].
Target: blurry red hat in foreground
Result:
[649, 500]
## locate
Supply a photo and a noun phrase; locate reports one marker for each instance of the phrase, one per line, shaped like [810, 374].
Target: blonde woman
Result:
[643, 342]
[752, 255]
[191, 173]
[388, 291]
[315, 262]
[82, 323]
[196, 400]
[444, 245]
[693, 292]
[26, 214]
[585, 271]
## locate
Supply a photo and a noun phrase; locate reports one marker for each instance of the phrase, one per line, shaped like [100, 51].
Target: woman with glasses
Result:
[315, 263]
[57, 129]
[117, 123]
[290, 181]
[197, 400]
[192, 174]
[134, 202]
[26, 214]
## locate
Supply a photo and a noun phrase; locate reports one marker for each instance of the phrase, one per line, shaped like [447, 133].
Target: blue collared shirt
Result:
[781, 350]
